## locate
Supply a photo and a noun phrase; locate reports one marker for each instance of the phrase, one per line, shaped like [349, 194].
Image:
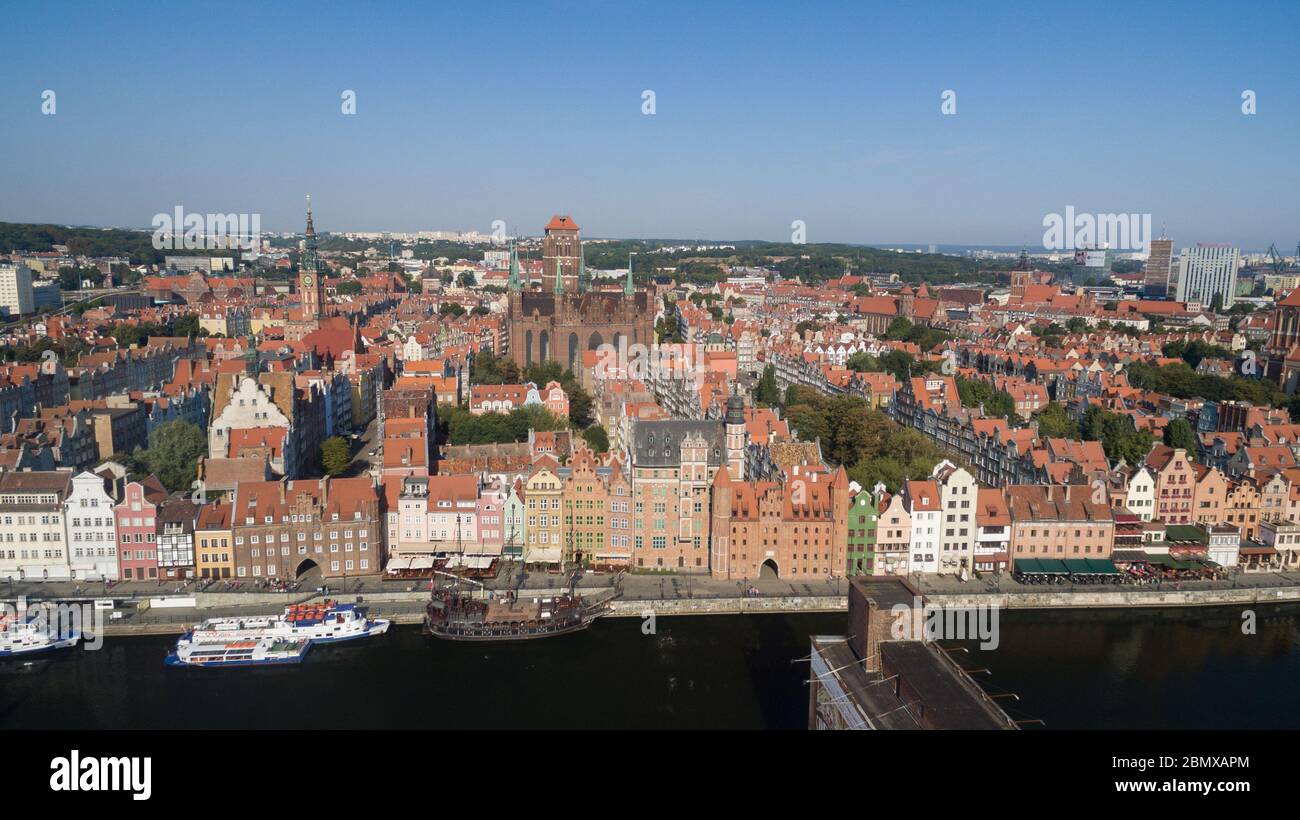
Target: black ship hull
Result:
[457, 617]
[500, 632]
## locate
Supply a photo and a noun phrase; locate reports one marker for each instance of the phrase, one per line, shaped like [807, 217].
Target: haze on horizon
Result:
[829, 114]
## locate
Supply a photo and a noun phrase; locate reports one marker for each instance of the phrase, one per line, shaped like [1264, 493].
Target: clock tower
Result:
[311, 290]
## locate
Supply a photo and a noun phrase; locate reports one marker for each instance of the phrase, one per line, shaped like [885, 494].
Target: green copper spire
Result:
[515, 282]
[584, 279]
[559, 278]
[627, 285]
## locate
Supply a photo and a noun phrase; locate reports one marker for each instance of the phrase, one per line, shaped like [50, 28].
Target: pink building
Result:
[137, 529]
[555, 399]
[491, 517]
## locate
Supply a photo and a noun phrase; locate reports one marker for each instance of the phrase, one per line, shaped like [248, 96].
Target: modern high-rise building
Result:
[1158, 267]
[1206, 271]
[16, 297]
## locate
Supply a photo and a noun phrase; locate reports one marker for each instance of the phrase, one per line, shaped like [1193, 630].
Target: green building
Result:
[863, 516]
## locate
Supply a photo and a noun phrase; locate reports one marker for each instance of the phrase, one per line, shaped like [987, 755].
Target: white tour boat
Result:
[266, 639]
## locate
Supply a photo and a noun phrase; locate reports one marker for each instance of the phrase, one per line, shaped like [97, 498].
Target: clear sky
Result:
[765, 113]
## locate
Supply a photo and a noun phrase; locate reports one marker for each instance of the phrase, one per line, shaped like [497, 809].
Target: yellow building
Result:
[214, 550]
[544, 494]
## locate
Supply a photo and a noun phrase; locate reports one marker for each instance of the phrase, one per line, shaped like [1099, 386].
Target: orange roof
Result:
[561, 223]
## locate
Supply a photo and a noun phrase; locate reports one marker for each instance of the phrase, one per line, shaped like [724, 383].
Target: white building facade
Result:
[91, 528]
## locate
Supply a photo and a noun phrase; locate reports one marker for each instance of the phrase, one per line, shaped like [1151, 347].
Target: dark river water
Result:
[1135, 669]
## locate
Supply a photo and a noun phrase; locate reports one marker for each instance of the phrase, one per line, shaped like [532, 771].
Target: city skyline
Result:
[463, 122]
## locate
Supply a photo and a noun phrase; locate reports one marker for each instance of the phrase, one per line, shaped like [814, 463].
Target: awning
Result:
[395, 564]
[1258, 551]
[422, 562]
[1170, 562]
[542, 555]
[1100, 566]
[1052, 566]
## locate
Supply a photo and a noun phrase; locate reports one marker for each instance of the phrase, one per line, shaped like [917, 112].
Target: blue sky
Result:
[766, 113]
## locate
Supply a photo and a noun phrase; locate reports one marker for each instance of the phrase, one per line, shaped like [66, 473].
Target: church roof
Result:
[561, 223]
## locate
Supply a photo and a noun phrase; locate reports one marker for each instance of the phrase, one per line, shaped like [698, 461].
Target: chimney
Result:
[1067, 492]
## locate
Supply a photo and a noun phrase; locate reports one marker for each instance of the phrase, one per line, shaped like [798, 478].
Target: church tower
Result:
[734, 424]
[310, 288]
[560, 251]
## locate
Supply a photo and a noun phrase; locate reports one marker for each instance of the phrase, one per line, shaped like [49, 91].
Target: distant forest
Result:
[137, 245]
[812, 263]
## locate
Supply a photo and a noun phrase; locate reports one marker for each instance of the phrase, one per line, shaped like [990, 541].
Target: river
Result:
[1071, 669]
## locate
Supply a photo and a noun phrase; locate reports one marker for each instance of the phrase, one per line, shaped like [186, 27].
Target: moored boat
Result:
[26, 635]
[323, 622]
[267, 639]
[459, 616]
[263, 651]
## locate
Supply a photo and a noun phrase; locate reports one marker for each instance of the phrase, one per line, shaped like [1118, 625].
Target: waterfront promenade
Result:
[662, 594]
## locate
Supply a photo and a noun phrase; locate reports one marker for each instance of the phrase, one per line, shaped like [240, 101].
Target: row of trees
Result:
[996, 403]
[1181, 381]
[1196, 350]
[460, 426]
[869, 444]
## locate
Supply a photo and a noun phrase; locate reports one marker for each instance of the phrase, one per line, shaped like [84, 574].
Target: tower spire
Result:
[584, 279]
[309, 262]
[515, 282]
[627, 284]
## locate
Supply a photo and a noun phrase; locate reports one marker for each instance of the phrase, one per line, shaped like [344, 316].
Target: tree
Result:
[862, 362]
[898, 329]
[349, 288]
[1180, 436]
[173, 454]
[540, 373]
[335, 455]
[488, 369]
[580, 401]
[596, 438]
[187, 325]
[766, 392]
[1054, 422]
[1118, 436]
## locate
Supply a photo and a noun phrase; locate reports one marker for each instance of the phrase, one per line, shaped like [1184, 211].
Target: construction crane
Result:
[1275, 259]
